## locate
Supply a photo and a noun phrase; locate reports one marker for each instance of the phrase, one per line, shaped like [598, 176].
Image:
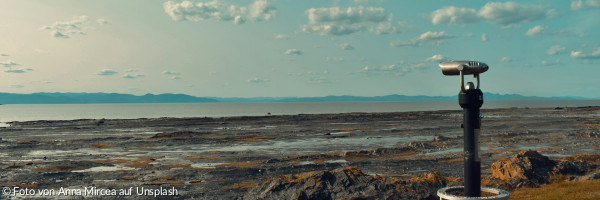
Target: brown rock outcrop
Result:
[529, 169]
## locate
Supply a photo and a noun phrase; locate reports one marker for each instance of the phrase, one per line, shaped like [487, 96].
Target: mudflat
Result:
[224, 158]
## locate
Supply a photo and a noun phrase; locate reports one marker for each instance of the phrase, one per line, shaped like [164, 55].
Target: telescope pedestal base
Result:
[449, 193]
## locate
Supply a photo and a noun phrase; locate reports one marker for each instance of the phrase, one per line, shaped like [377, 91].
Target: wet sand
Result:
[221, 158]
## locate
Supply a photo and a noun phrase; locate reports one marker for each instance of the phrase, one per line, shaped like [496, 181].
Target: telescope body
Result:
[450, 68]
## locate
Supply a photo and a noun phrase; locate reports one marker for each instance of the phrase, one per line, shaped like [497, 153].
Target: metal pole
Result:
[471, 100]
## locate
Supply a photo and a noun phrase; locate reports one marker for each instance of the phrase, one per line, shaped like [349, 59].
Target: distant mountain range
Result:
[99, 98]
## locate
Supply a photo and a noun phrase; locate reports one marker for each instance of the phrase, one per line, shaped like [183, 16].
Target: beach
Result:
[225, 157]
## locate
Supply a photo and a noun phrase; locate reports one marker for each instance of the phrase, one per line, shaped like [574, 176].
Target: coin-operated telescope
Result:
[470, 99]
[463, 68]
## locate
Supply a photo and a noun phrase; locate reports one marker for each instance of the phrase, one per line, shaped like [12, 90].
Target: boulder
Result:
[526, 169]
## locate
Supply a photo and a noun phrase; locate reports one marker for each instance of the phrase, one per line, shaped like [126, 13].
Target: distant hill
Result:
[90, 98]
[98, 98]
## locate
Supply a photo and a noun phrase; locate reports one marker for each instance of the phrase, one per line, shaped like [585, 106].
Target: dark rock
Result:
[439, 138]
[591, 176]
[576, 167]
[347, 183]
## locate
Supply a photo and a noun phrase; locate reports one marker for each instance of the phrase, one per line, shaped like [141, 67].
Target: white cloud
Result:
[550, 63]
[257, 80]
[103, 21]
[556, 49]
[484, 37]
[132, 76]
[503, 14]
[586, 55]
[107, 72]
[282, 37]
[454, 16]
[338, 21]
[295, 52]
[436, 57]
[68, 28]
[580, 5]
[505, 59]
[397, 69]
[259, 10]
[384, 28]
[319, 80]
[400, 43]
[345, 46]
[429, 36]
[361, 1]
[536, 30]
[334, 59]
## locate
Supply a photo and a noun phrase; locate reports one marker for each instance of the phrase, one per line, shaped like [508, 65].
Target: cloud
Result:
[345, 46]
[454, 16]
[384, 28]
[505, 59]
[4, 55]
[103, 21]
[132, 76]
[556, 49]
[586, 55]
[504, 14]
[68, 28]
[282, 37]
[9, 64]
[334, 59]
[295, 52]
[319, 80]
[309, 73]
[588, 4]
[107, 72]
[536, 30]
[259, 10]
[336, 21]
[16, 71]
[397, 69]
[429, 36]
[400, 43]
[257, 80]
[171, 73]
[550, 63]
[436, 57]
[484, 37]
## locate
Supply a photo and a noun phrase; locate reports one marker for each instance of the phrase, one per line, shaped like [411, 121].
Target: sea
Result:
[33, 112]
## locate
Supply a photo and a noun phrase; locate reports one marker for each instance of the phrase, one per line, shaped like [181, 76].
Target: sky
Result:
[283, 48]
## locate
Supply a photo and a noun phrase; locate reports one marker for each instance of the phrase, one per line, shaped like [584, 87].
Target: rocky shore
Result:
[353, 155]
